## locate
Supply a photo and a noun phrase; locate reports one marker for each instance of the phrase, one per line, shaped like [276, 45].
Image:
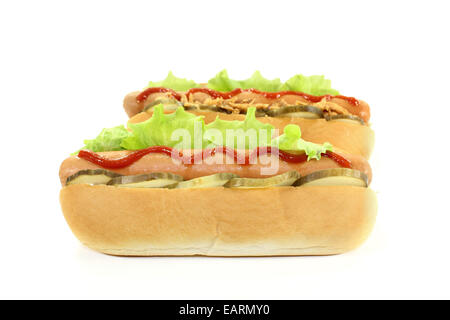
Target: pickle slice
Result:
[285, 179]
[345, 118]
[309, 112]
[214, 180]
[334, 177]
[261, 113]
[97, 176]
[211, 108]
[151, 180]
[168, 103]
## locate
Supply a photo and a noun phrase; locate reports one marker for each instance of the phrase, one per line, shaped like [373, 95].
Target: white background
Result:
[66, 66]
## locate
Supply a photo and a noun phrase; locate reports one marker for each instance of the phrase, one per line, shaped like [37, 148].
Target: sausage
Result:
[362, 110]
[132, 107]
[156, 162]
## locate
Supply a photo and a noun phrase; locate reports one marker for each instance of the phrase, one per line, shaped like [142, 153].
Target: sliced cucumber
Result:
[151, 180]
[345, 118]
[212, 108]
[214, 180]
[310, 112]
[285, 179]
[334, 177]
[97, 176]
[168, 103]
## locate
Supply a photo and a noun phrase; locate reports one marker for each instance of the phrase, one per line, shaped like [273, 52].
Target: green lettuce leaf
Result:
[237, 133]
[291, 140]
[314, 85]
[108, 140]
[166, 130]
[222, 82]
[184, 130]
[257, 81]
[175, 83]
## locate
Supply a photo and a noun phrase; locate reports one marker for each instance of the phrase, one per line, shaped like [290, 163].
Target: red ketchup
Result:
[228, 95]
[245, 159]
[144, 94]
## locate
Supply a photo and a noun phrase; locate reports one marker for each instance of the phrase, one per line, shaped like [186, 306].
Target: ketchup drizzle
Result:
[239, 158]
[228, 95]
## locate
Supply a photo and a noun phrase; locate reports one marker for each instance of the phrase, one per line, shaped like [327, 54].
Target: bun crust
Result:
[353, 138]
[280, 221]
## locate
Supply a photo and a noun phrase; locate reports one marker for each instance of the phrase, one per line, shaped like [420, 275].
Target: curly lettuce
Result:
[165, 130]
[222, 82]
[174, 83]
[314, 85]
[109, 139]
[184, 130]
[291, 140]
[247, 134]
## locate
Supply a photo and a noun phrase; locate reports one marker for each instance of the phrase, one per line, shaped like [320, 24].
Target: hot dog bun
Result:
[277, 221]
[354, 138]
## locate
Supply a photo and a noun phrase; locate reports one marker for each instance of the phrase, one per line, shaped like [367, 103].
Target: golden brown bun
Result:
[313, 220]
[353, 138]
